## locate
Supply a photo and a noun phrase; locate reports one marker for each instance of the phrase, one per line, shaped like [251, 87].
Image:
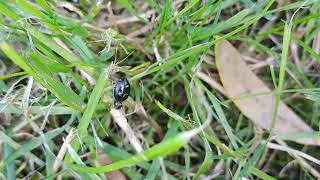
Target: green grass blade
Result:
[307, 48]
[260, 173]
[92, 104]
[44, 4]
[53, 46]
[95, 96]
[6, 139]
[12, 75]
[11, 169]
[126, 4]
[86, 54]
[26, 6]
[232, 22]
[63, 92]
[283, 66]
[34, 143]
[160, 150]
[222, 119]
[56, 88]
[9, 12]
[190, 4]
[155, 166]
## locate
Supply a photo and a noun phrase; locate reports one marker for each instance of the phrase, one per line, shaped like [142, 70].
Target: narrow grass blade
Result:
[92, 104]
[34, 143]
[63, 92]
[79, 45]
[283, 66]
[53, 46]
[7, 11]
[55, 87]
[155, 166]
[26, 6]
[222, 119]
[160, 150]
[45, 6]
[12, 75]
[260, 173]
[11, 169]
[126, 4]
[232, 22]
[6, 139]
[174, 115]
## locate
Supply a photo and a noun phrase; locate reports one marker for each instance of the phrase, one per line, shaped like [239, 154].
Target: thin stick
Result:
[121, 120]
[300, 160]
[210, 81]
[293, 151]
[63, 149]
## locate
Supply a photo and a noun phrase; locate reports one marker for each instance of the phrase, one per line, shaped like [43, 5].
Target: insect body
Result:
[121, 92]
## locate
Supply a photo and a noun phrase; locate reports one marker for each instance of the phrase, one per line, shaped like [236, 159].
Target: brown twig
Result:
[121, 120]
[63, 149]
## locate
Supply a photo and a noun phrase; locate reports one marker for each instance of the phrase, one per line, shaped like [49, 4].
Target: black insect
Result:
[121, 92]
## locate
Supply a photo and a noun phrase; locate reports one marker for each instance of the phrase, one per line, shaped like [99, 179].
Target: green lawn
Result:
[59, 61]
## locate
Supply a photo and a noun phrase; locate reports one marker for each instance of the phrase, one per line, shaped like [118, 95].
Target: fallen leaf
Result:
[239, 81]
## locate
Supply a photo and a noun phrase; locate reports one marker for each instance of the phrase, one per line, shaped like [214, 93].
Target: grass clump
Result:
[59, 61]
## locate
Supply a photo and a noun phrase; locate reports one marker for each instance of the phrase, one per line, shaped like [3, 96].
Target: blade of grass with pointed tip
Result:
[51, 85]
[155, 166]
[283, 66]
[222, 119]
[34, 143]
[160, 150]
[6, 139]
[10, 167]
[26, 6]
[198, 115]
[260, 173]
[92, 104]
[174, 59]
[62, 91]
[12, 75]
[79, 45]
[190, 4]
[126, 4]
[44, 4]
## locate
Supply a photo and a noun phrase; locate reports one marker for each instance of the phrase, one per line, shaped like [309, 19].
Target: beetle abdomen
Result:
[121, 91]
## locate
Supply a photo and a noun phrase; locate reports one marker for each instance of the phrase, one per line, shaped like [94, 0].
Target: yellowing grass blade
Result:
[254, 99]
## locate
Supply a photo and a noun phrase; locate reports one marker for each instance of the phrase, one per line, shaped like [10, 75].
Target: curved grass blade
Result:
[55, 87]
[85, 120]
[160, 150]
[34, 143]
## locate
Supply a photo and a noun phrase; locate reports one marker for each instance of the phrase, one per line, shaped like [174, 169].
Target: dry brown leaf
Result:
[239, 81]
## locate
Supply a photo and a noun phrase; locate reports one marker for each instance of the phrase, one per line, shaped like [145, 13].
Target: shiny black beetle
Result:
[121, 91]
